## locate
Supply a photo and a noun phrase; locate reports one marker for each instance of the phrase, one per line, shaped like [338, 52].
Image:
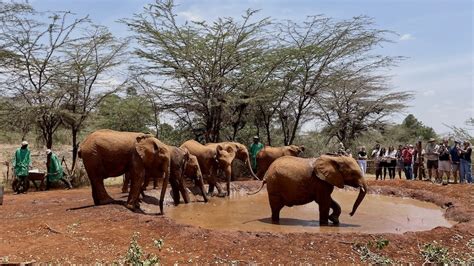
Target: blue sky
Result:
[436, 36]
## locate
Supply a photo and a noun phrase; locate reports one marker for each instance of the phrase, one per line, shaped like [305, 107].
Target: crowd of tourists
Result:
[434, 162]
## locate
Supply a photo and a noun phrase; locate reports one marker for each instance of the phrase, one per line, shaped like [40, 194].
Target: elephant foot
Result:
[134, 208]
[323, 223]
[222, 194]
[334, 219]
[105, 201]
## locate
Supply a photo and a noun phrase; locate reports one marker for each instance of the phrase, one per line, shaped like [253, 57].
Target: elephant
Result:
[210, 160]
[241, 153]
[182, 164]
[108, 153]
[269, 154]
[297, 181]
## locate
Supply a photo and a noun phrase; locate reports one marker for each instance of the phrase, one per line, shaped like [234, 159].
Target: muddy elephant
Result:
[241, 153]
[108, 153]
[269, 154]
[211, 159]
[297, 181]
[182, 165]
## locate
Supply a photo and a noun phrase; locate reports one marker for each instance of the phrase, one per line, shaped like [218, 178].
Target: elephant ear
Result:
[327, 168]
[146, 148]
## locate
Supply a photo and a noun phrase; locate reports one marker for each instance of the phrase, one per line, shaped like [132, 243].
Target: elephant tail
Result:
[255, 192]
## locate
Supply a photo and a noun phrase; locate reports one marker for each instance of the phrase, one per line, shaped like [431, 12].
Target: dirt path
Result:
[41, 227]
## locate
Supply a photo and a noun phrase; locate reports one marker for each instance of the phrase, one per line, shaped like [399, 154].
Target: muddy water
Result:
[376, 214]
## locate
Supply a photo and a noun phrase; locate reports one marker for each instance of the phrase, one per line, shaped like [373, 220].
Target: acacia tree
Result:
[34, 74]
[8, 12]
[83, 79]
[205, 64]
[355, 104]
[317, 50]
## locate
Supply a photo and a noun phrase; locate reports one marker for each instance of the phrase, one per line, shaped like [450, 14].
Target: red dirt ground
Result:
[39, 227]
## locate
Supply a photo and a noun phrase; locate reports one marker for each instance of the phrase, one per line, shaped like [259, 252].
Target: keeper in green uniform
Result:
[55, 170]
[21, 165]
[254, 149]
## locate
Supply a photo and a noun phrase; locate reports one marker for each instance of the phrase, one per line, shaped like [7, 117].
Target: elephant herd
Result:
[141, 157]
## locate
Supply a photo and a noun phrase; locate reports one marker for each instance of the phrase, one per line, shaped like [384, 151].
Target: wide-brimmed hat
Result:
[24, 143]
[431, 140]
[48, 151]
[457, 141]
[256, 137]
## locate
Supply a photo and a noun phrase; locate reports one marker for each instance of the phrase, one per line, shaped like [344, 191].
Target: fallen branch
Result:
[51, 229]
[347, 242]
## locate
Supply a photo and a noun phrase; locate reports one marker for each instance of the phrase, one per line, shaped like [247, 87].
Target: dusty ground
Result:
[61, 226]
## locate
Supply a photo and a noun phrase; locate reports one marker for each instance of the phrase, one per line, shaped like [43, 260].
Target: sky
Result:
[434, 36]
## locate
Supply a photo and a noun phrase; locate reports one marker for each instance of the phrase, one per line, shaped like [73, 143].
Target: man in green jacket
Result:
[55, 170]
[254, 149]
[21, 165]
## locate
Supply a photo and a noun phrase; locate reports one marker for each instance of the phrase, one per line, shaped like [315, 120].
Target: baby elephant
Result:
[297, 181]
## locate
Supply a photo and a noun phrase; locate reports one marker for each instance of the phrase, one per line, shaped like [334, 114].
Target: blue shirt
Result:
[454, 154]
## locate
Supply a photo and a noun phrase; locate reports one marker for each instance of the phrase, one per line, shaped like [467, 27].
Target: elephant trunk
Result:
[249, 165]
[360, 197]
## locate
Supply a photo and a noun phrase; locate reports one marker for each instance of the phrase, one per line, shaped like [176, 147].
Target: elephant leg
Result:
[276, 205]
[336, 212]
[220, 190]
[200, 183]
[184, 192]
[213, 183]
[126, 182]
[166, 178]
[146, 182]
[155, 182]
[99, 194]
[174, 190]
[137, 179]
[324, 213]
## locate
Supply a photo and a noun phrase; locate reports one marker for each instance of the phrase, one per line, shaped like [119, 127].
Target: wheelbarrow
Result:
[33, 176]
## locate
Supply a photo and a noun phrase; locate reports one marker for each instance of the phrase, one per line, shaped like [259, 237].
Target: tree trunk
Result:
[49, 140]
[75, 147]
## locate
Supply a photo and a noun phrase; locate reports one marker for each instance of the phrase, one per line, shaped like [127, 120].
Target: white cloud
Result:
[406, 37]
[188, 15]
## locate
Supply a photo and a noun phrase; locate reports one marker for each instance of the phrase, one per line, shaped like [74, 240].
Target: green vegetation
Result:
[369, 256]
[135, 255]
[436, 253]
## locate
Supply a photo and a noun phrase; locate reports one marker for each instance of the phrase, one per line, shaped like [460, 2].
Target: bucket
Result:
[1, 194]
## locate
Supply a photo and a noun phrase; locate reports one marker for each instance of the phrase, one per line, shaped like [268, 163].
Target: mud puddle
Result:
[376, 214]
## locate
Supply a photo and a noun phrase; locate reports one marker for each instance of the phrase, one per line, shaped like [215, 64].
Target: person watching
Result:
[432, 159]
[21, 165]
[362, 160]
[455, 151]
[254, 149]
[466, 151]
[444, 166]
